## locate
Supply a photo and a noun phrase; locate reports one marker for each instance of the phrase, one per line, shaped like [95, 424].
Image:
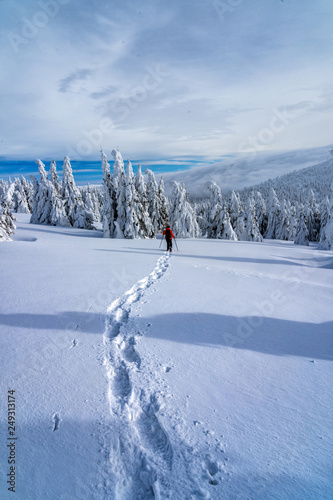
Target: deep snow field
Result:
[206, 374]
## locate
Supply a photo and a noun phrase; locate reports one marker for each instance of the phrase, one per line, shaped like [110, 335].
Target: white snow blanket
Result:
[139, 375]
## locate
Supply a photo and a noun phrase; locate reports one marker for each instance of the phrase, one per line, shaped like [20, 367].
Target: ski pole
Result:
[161, 241]
[176, 244]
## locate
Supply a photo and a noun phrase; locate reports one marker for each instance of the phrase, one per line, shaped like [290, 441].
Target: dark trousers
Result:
[169, 244]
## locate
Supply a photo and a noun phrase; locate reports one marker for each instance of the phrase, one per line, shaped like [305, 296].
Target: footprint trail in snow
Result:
[140, 453]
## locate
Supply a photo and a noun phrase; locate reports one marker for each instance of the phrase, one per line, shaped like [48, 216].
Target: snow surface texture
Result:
[206, 374]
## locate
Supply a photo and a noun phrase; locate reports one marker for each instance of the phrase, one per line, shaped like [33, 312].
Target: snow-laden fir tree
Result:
[182, 216]
[283, 228]
[228, 232]
[86, 197]
[54, 178]
[240, 227]
[142, 206]
[91, 202]
[28, 191]
[163, 205]
[3, 189]
[41, 209]
[218, 222]
[76, 213]
[109, 207]
[252, 227]
[214, 208]
[202, 213]
[19, 199]
[302, 233]
[154, 203]
[234, 208]
[7, 192]
[326, 233]
[69, 192]
[97, 197]
[312, 215]
[119, 186]
[93, 199]
[274, 215]
[221, 227]
[8, 199]
[326, 240]
[292, 221]
[7, 225]
[260, 207]
[132, 228]
[48, 207]
[325, 210]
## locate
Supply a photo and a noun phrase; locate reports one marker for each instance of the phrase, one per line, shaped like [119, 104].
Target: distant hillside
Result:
[294, 186]
[237, 174]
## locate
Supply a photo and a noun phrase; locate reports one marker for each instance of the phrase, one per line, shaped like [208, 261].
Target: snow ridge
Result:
[140, 454]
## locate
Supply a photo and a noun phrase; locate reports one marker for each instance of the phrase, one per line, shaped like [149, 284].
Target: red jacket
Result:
[168, 233]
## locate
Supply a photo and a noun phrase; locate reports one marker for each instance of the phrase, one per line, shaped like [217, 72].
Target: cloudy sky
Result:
[165, 79]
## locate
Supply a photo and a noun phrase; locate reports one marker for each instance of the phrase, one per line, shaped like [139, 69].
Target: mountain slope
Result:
[241, 173]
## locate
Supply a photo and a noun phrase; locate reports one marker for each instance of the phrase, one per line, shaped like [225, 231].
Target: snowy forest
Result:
[135, 206]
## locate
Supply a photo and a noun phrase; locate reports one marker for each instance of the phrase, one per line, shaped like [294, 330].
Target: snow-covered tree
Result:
[326, 233]
[326, 240]
[142, 206]
[84, 219]
[3, 189]
[221, 227]
[292, 221]
[240, 227]
[218, 221]
[162, 205]
[252, 227]
[302, 233]
[182, 216]
[54, 178]
[119, 186]
[274, 215]
[86, 197]
[48, 207]
[202, 211]
[132, 227]
[325, 211]
[69, 192]
[234, 208]
[312, 215]
[75, 211]
[41, 202]
[228, 232]
[7, 225]
[109, 207]
[28, 191]
[283, 226]
[90, 201]
[214, 213]
[19, 200]
[7, 192]
[154, 202]
[260, 207]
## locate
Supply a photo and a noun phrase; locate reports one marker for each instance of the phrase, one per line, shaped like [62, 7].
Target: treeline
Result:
[257, 218]
[131, 206]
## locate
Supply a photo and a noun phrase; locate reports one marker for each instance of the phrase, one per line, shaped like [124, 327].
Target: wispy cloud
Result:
[67, 84]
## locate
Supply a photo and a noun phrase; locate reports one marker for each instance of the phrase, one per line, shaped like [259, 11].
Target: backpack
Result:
[168, 233]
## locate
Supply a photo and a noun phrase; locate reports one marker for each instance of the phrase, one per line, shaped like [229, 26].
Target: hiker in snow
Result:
[168, 236]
